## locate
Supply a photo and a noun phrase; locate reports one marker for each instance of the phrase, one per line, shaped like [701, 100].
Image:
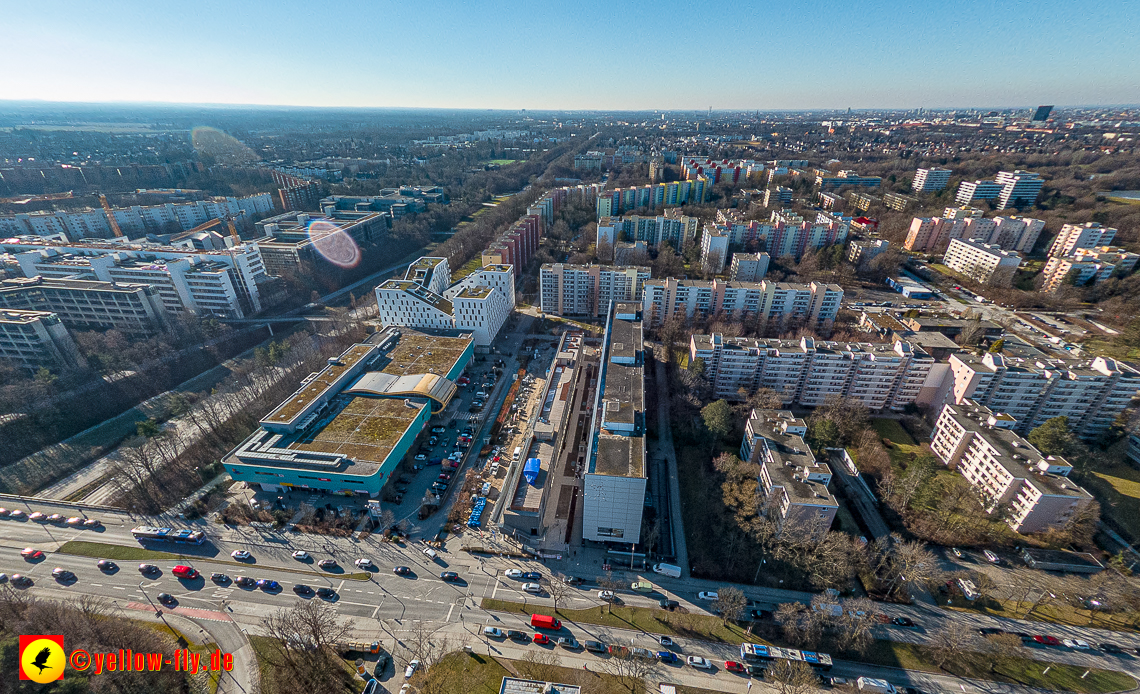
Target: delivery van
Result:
[668, 570]
[542, 621]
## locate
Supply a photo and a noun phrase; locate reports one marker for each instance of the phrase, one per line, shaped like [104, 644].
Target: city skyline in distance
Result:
[878, 55]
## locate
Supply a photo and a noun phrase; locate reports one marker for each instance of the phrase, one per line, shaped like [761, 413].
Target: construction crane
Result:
[228, 219]
[110, 215]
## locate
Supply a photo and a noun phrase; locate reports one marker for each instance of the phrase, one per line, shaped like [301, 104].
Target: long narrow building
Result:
[773, 304]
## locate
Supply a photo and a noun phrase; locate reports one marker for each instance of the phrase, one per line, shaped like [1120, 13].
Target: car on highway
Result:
[733, 666]
[326, 592]
[532, 576]
[37, 516]
[148, 569]
[21, 581]
[327, 563]
[513, 573]
[1111, 648]
[31, 554]
[241, 555]
[245, 582]
[532, 588]
[3, 512]
[906, 622]
[448, 576]
[699, 662]
[302, 589]
[268, 584]
[607, 595]
[990, 631]
[301, 555]
[183, 571]
[541, 639]
[61, 574]
[55, 518]
[708, 595]
[1079, 644]
[569, 643]
[401, 570]
[218, 577]
[3, 578]
[17, 514]
[364, 563]
[74, 520]
[515, 635]
[493, 632]
[956, 552]
[106, 565]
[1046, 640]
[413, 665]
[166, 598]
[91, 523]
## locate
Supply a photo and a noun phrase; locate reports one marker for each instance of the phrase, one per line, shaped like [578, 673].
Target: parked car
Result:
[541, 639]
[668, 604]
[708, 595]
[515, 635]
[991, 557]
[493, 632]
[607, 595]
[532, 576]
[513, 573]
[1046, 640]
[699, 662]
[595, 646]
[733, 666]
[569, 643]
[956, 552]
[1079, 644]
[666, 641]
[411, 669]
[667, 656]
[532, 588]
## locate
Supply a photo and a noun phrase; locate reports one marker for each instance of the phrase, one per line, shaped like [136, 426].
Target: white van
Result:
[517, 453]
[430, 553]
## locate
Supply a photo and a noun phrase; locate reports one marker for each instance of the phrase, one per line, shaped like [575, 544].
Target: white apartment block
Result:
[1087, 266]
[221, 283]
[859, 252]
[136, 220]
[587, 290]
[36, 339]
[1092, 394]
[1007, 470]
[930, 180]
[749, 267]
[969, 191]
[481, 310]
[501, 277]
[1018, 188]
[136, 310]
[714, 250]
[986, 263]
[407, 303]
[790, 477]
[769, 303]
[430, 273]
[933, 234]
[1074, 236]
[777, 196]
[806, 372]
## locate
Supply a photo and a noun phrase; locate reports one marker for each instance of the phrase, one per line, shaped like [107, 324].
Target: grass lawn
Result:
[1054, 614]
[469, 267]
[654, 621]
[891, 429]
[1118, 490]
[501, 162]
[101, 550]
[481, 674]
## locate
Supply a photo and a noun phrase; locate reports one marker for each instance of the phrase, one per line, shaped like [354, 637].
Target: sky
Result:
[577, 54]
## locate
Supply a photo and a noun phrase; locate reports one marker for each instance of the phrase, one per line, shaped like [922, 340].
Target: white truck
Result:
[870, 684]
[668, 570]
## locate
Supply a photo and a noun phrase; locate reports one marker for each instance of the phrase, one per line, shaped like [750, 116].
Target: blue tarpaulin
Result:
[530, 470]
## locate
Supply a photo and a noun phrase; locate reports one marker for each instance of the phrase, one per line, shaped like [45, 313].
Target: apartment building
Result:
[225, 284]
[806, 372]
[481, 310]
[671, 227]
[777, 196]
[829, 201]
[986, 263]
[1087, 266]
[403, 302]
[1033, 489]
[962, 212]
[846, 178]
[785, 233]
[792, 483]
[768, 303]
[615, 464]
[862, 201]
[720, 169]
[397, 202]
[36, 339]
[1009, 189]
[587, 290]
[1092, 394]
[749, 267]
[430, 273]
[898, 202]
[714, 250]
[332, 236]
[136, 310]
[1074, 236]
[618, 200]
[134, 221]
[588, 161]
[298, 194]
[859, 252]
[930, 180]
[501, 277]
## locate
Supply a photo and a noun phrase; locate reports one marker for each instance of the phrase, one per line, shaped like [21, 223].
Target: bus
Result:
[755, 652]
[146, 533]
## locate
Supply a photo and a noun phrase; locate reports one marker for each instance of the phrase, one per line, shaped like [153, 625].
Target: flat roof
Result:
[419, 353]
[365, 430]
[320, 385]
[420, 292]
[621, 456]
[469, 292]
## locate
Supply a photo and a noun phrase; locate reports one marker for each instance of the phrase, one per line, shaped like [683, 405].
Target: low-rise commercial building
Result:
[806, 372]
[348, 427]
[792, 483]
[587, 290]
[769, 304]
[615, 467]
[1032, 489]
[36, 339]
[986, 263]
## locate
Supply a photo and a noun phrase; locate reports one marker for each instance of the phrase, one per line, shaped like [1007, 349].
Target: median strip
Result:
[99, 550]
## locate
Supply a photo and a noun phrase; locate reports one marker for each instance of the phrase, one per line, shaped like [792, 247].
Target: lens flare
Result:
[334, 244]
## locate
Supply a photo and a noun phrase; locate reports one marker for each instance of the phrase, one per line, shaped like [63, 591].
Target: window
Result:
[611, 532]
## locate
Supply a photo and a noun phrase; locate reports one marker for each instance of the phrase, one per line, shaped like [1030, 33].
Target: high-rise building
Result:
[806, 372]
[930, 180]
[1042, 114]
[1092, 394]
[288, 240]
[714, 250]
[1010, 473]
[933, 234]
[859, 252]
[749, 267]
[1074, 236]
[614, 480]
[1087, 266]
[36, 339]
[430, 273]
[986, 263]
[969, 191]
[1019, 188]
[618, 200]
[588, 290]
[846, 178]
[778, 196]
[672, 227]
[770, 304]
[792, 482]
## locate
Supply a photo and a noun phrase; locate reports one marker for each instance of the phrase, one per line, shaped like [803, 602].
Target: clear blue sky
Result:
[586, 54]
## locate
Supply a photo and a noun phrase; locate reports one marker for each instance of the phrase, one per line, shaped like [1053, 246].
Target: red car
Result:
[733, 666]
[1047, 640]
[182, 571]
[541, 639]
[30, 553]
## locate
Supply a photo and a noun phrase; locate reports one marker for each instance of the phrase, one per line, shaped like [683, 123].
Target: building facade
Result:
[770, 304]
[35, 340]
[587, 290]
[986, 263]
[859, 252]
[749, 267]
[1074, 236]
[136, 310]
[714, 250]
[930, 180]
[1087, 266]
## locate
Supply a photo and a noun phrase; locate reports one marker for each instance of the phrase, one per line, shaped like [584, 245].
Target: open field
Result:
[1118, 490]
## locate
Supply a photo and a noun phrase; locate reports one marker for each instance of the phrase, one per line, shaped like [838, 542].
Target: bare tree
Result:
[801, 625]
[951, 642]
[304, 647]
[544, 666]
[730, 603]
[1004, 647]
[628, 669]
[792, 677]
[853, 628]
[422, 645]
[559, 592]
[612, 583]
